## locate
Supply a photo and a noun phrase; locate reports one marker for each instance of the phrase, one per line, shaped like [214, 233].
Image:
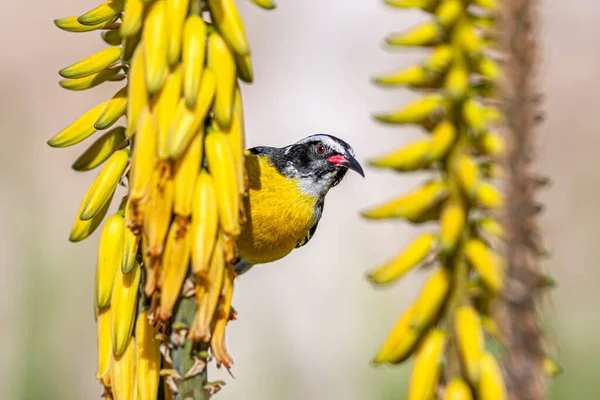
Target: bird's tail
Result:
[242, 266]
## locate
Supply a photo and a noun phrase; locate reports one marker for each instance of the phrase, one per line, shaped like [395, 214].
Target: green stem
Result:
[184, 356]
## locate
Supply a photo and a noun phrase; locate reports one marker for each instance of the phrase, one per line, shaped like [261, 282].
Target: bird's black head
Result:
[318, 162]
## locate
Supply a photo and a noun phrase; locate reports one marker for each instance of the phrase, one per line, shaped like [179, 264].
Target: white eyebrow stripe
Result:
[329, 141]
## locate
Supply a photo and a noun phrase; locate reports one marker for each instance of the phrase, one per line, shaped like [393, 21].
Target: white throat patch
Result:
[319, 188]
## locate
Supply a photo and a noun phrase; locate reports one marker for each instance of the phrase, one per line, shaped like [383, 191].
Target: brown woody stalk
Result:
[523, 362]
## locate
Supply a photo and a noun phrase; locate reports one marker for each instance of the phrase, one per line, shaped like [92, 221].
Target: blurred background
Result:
[309, 324]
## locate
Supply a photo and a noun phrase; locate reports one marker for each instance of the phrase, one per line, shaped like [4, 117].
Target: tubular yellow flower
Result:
[164, 261]
[461, 154]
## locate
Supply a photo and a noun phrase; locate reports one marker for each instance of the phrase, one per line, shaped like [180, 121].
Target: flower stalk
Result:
[446, 326]
[164, 277]
[525, 361]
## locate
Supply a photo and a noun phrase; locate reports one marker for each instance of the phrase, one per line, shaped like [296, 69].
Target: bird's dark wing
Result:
[242, 266]
[313, 228]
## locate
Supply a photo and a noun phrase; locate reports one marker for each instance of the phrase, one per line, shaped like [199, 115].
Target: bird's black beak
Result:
[347, 161]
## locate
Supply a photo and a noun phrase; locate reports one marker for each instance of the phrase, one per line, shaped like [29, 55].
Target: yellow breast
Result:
[279, 214]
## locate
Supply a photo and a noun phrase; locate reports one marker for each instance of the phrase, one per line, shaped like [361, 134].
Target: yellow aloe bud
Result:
[469, 336]
[187, 122]
[110, 247]
[236, 138]
[221, 61]
[492, 170]
[100, 150]
[208, 291]
[175, 262]
[488, 196]
[401, 342]
[112, 37]
[186, 172]
[132, 20]
[484, 261]
[491, 144]
[165, 107]
[115, 109]
[81, 229]
[467, 173]
[104, 343]
[551, 366]
[483, 21]
[409, 258]
[417, 112]
[106, 381]
[474, 115]
[491, 383]
[71, 24]
[123, 306]
[491, 226]
[452, 224]
[487, 4]
[104, 12]
[79, 130]
[158, 214]
[441, 57]
[491, 328]
[487, 67]
[413, 205]
[130, 44]
[443, 137]
[144, 157]
[468, 38]
[131, 238]
[92, 64]
[426, 369]
[426, 5]
[221, 164]
[93, 80]
[131, 243]
[457, 389]
[432, 297]
[192, 57]
[448, 12]
[151, 266]
[148, 358]
[266, 4]
[457, 80]
[176, 12]
[244, 67]
[137, 94]
[154, 36]
[105, 184]
[205, 222]
[217, 340]
[227, 18]
[412, 157]
[123, 378]
[414, 75]
[425, 34]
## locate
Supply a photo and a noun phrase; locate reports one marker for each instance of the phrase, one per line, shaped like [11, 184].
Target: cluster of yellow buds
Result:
[164, 278]
[446, 326]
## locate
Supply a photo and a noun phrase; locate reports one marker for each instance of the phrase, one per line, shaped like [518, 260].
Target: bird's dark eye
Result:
[320, 149]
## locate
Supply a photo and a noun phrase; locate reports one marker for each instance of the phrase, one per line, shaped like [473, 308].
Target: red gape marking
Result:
[337, 160]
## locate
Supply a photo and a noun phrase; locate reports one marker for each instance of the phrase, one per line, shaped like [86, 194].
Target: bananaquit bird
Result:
[287, 188]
